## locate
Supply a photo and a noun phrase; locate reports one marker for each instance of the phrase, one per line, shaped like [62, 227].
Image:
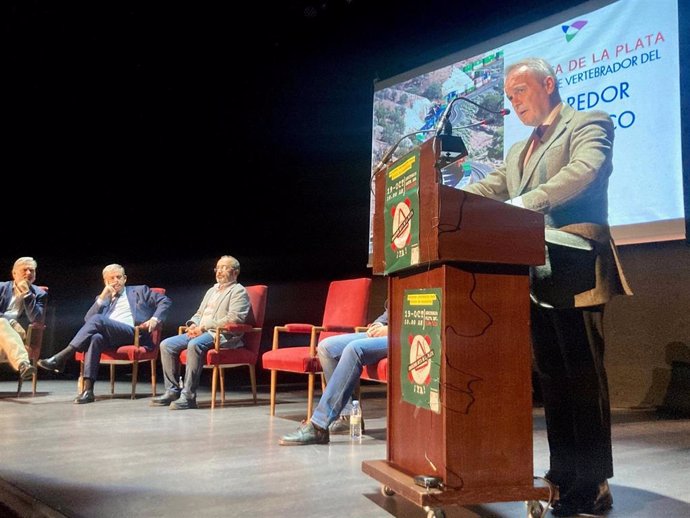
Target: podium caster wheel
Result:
[435, 513]
[387, 491]
[535, 509]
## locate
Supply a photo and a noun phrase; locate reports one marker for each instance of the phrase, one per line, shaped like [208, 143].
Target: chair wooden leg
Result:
[222, 385]
[153, 377]
[274, 377]
[252, 379]
[80, 381]
[19, 385]
[112, 379]
[135, 375]
[214, 386]
[310, 396]
[34, 379]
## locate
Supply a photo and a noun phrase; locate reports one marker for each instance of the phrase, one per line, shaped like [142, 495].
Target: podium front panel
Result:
[482, 435]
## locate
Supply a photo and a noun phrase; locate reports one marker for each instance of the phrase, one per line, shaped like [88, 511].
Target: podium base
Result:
[395, 481]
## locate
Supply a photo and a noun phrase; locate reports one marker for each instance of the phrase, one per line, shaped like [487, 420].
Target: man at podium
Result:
[562, 171]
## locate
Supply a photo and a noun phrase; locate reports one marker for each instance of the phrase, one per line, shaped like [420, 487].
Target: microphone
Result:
[444, 126]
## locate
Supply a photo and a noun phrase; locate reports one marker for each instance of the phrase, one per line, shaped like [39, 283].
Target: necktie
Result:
[541, 129]
[535, 141]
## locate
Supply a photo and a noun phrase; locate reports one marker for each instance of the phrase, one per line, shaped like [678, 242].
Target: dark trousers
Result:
[568, 347]
[99, 333]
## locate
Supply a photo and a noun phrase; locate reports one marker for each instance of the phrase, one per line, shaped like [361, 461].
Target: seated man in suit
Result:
[21, 303]
[110, 324]
[343, 358]
[226, 302]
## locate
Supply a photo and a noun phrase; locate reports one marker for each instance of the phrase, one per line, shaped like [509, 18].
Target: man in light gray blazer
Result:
[227, 302]
[563, 171]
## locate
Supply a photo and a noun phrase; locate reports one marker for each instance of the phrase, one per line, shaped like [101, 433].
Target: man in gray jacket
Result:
[227, 302]
[563, 171]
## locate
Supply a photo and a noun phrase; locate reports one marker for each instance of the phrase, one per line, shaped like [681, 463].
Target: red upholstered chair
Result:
[33, 343]
[346, 308]
[128, 354]
[377, 372]
[220, 359]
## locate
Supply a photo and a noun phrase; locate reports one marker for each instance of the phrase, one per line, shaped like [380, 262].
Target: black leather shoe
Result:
[561, 481]
[85, 397]
[165, 399]
[183, 404]
[52, 364]
[589, 499]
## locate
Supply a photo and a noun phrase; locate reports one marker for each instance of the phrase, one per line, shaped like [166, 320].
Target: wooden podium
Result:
[477, 252]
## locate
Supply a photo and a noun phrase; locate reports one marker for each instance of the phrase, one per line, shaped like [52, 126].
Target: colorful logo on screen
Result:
[572, 29]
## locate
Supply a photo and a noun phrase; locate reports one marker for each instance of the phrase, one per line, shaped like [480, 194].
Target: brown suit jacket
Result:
[566, 179]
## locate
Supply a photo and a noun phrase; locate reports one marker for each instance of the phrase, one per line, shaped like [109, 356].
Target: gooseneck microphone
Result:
[384, 160]
[444, 127]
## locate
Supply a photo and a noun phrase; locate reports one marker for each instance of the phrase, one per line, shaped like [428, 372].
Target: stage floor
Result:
[122, 458]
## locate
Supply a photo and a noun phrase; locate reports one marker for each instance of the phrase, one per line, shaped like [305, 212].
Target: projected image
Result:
[621, 58]
[418, 104]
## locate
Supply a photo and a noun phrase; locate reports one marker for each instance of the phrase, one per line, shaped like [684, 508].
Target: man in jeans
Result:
[226, 302]
[343, 358]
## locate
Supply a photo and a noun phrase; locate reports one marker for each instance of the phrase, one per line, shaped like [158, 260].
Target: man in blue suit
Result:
[21, 303]
[110, 324]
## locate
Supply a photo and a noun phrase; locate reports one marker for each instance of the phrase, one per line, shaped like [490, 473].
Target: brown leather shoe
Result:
[26, 370]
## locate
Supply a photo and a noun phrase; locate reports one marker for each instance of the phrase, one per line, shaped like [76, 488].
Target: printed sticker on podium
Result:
[401, 210]
[421, 348]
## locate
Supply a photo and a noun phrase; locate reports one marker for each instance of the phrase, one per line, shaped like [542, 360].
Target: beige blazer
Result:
[566, 179]
[233, 308]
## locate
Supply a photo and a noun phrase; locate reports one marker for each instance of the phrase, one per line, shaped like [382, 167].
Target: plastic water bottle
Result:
[356, 421]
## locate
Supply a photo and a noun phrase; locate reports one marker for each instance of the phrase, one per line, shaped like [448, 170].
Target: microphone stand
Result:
[443, 128]
[394, 147]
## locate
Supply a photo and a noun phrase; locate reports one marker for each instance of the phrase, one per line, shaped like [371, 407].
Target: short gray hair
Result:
[25, 260]
[113, 267]
[538, 66]
[234, 263]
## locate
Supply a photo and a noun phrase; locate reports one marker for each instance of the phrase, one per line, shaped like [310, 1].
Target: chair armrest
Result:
[181, 329]
[340, 329]
[136, 336]
[29, 331]
[239, 328]
[297, 328]
[361, 329]
[301, 328]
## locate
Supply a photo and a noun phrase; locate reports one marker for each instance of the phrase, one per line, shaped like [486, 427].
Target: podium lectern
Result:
[476, 253]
